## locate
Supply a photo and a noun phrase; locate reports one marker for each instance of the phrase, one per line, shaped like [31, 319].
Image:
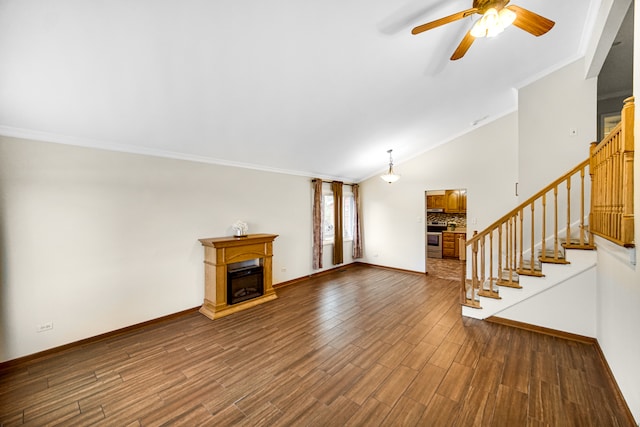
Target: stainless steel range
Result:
[434, 238]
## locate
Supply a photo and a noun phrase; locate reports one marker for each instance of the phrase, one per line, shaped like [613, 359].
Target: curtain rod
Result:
[329, 182]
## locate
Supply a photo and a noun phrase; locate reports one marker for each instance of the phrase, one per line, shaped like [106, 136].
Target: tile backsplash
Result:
[459, 219]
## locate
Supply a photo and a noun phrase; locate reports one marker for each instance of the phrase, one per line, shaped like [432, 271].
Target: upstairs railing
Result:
[611, 168]
[540, 229]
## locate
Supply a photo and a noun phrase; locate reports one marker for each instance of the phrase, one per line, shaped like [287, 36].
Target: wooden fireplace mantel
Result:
[219, 252]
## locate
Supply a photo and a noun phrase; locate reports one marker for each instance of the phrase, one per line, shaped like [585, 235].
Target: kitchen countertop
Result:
[457, 230]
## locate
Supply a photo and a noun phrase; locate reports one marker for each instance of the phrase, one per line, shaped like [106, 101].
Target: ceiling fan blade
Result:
[531, 22]
[408, 14]
[447, 19]
[463, 47]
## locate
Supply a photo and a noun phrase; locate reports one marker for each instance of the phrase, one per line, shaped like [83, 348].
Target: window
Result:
[348, 219]
[327, 218]
[608, 121]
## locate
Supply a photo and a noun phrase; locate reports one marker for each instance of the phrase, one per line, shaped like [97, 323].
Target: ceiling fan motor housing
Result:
[484, 5]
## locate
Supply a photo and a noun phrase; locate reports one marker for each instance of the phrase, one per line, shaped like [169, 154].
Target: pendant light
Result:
[390, 177]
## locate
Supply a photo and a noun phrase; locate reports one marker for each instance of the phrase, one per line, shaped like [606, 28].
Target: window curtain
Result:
[317, 223]
[338, 247]
[357, 236]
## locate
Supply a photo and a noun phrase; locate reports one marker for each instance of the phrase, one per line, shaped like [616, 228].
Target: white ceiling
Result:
[319, 88]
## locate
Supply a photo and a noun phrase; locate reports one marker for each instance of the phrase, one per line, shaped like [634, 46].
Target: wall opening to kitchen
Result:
[445, 224]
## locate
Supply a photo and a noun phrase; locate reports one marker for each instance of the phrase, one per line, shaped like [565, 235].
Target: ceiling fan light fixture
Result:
[478, 29]
[507, 16]
[493, 22]
[390, 176]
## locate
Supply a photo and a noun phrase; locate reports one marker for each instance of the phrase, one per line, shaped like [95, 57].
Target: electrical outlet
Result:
[44, 327]
[283, 269]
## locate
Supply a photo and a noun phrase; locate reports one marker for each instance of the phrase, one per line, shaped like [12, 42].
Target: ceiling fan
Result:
[496, 16]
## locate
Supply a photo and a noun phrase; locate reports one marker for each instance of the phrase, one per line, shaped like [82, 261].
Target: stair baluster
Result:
[568, 232]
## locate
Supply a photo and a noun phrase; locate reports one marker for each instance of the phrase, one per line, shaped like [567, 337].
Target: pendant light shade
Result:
[390, 176]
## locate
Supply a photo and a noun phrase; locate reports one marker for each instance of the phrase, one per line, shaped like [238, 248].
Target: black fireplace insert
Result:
[244, 284]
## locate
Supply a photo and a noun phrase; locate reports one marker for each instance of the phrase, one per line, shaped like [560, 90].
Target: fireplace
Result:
[244, 283]
[244, 262]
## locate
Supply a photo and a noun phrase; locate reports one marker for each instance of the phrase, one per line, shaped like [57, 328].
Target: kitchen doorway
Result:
[445, 225]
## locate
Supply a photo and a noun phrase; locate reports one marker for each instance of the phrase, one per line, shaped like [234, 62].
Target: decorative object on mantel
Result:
[390, 176]
[240, 228]
[222, 255]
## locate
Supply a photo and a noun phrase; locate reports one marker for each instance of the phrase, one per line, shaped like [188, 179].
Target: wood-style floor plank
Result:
[360, 346]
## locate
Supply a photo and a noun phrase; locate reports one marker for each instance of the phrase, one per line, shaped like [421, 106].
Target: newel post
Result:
[628, 114]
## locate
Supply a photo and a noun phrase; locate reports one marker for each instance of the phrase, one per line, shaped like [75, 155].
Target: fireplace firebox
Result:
[244, 284]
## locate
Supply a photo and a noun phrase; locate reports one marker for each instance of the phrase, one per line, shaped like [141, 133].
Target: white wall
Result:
[484, 162]
[95, 241]
[619, 317]
[547, 110]
[549, 308]
[619, 286]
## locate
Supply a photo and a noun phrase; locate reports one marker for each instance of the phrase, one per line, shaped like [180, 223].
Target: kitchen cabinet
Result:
[436, 201]
[448, 245]
[455, 201]
[460, 243]
[451, 244]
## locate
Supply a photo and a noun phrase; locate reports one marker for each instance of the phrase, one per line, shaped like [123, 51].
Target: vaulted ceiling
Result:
[319, 88]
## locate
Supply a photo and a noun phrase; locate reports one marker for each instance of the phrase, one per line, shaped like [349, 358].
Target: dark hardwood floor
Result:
[358, 347]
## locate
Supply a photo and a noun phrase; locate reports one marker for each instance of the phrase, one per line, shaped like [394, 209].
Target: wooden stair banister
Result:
[611, 170]
[531, 199]
[610, 216]
[513, 262]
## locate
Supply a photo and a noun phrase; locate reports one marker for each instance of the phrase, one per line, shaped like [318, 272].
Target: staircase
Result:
[548, 239]
[579, 262]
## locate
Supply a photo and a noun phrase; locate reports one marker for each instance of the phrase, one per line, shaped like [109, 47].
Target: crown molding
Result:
[34, 135]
